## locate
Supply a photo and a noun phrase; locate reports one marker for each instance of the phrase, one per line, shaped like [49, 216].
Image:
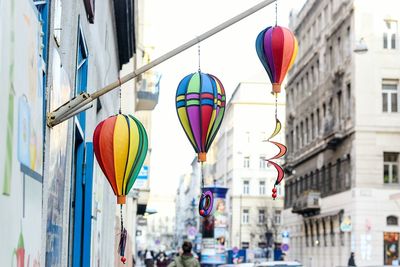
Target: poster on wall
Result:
[21, 134]
[214, 230]
[57, 179]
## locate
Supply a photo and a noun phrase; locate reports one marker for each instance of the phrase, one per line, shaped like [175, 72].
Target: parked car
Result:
[279, 264]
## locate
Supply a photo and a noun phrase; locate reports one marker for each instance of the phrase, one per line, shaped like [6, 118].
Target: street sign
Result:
[142, 178]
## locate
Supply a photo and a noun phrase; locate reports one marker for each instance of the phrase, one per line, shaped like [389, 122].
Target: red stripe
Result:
[96, 145]
[107, 150]
[277, 50]
[206, 112]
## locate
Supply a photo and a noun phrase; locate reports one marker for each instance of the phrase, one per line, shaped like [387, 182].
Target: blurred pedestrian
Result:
[186, 259]
[351, 260]
[162, 260]
[149, 258]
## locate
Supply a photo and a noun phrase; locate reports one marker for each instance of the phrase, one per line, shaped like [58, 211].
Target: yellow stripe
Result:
[295, 50]
[181, 97]
[133, 149]
[185, 123]
[120, 143]
[210, 125]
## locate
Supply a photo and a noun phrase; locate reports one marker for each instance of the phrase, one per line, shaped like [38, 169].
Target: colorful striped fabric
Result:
[120, 145]
[200, 104]
[277, 49]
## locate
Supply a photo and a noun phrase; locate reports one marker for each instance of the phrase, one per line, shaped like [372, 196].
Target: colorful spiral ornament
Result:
[206, 204]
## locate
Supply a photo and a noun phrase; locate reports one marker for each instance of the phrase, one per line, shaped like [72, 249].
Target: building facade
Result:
[342, 134]
[64, 212]
[241, 151]
[187, 223]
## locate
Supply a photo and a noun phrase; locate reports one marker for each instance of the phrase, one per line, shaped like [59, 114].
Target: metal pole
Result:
[60, 114]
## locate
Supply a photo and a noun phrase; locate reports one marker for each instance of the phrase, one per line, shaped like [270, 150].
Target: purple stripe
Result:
[194, 120]
[192, 96]
[268, 51]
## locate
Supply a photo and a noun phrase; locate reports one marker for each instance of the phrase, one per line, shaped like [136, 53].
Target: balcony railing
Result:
[308, 204]
[147, 95]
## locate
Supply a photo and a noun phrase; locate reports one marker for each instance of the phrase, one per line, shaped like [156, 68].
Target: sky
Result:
[230, 55]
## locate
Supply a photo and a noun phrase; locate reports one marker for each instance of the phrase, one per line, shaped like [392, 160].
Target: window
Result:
[390, 167]
[81, 74]
[392, 220]
[246, 187]
[302, 139]
[318, 122]
[262, 162]
[306, 233]
[307, 132]
[277, 217]
[261, 216]
[348, 89]
[339, 108]
[262, 188]
[338, 175]
[312, 127]
[246, 162]
[390, 34]
[390, 96]
[245, 216]
[332, 232]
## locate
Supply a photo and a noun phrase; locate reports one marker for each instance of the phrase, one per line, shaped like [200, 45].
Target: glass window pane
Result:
[390, 157]
[386, 174]
[393, 41]
[389, 86]
[385, 40]
[394, 102]
[395, 178]
[384, 102]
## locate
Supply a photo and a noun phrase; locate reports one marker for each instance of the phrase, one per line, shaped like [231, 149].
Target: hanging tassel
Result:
[122, 241]
[122, 245]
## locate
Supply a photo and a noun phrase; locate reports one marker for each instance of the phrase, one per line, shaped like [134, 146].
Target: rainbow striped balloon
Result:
[120, 145]
[200, 104]
[277, 49]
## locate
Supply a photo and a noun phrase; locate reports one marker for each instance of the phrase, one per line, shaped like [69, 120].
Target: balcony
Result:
[308, 204]
[333, 134]
[147, 94]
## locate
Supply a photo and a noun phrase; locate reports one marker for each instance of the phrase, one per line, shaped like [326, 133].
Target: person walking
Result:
[162, 260]
[149, 258]
[351, 260]
[186, 259]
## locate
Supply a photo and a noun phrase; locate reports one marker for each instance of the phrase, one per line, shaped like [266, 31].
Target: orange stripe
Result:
[107, 148]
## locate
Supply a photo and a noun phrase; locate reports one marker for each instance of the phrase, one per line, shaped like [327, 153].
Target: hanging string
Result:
[198, 53]
[202, 175]
[120, 106]
[276, 106]
[276, 12]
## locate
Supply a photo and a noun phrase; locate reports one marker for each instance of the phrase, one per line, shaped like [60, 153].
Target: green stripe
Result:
[193, 102]
[141, 155]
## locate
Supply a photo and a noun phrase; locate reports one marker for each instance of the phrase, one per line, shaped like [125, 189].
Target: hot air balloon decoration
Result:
[200, 105]
[120, 145]
[277, 49]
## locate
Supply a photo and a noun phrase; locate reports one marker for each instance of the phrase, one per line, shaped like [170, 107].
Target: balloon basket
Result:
[202, 156]
[276, 88]
[121, 199]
